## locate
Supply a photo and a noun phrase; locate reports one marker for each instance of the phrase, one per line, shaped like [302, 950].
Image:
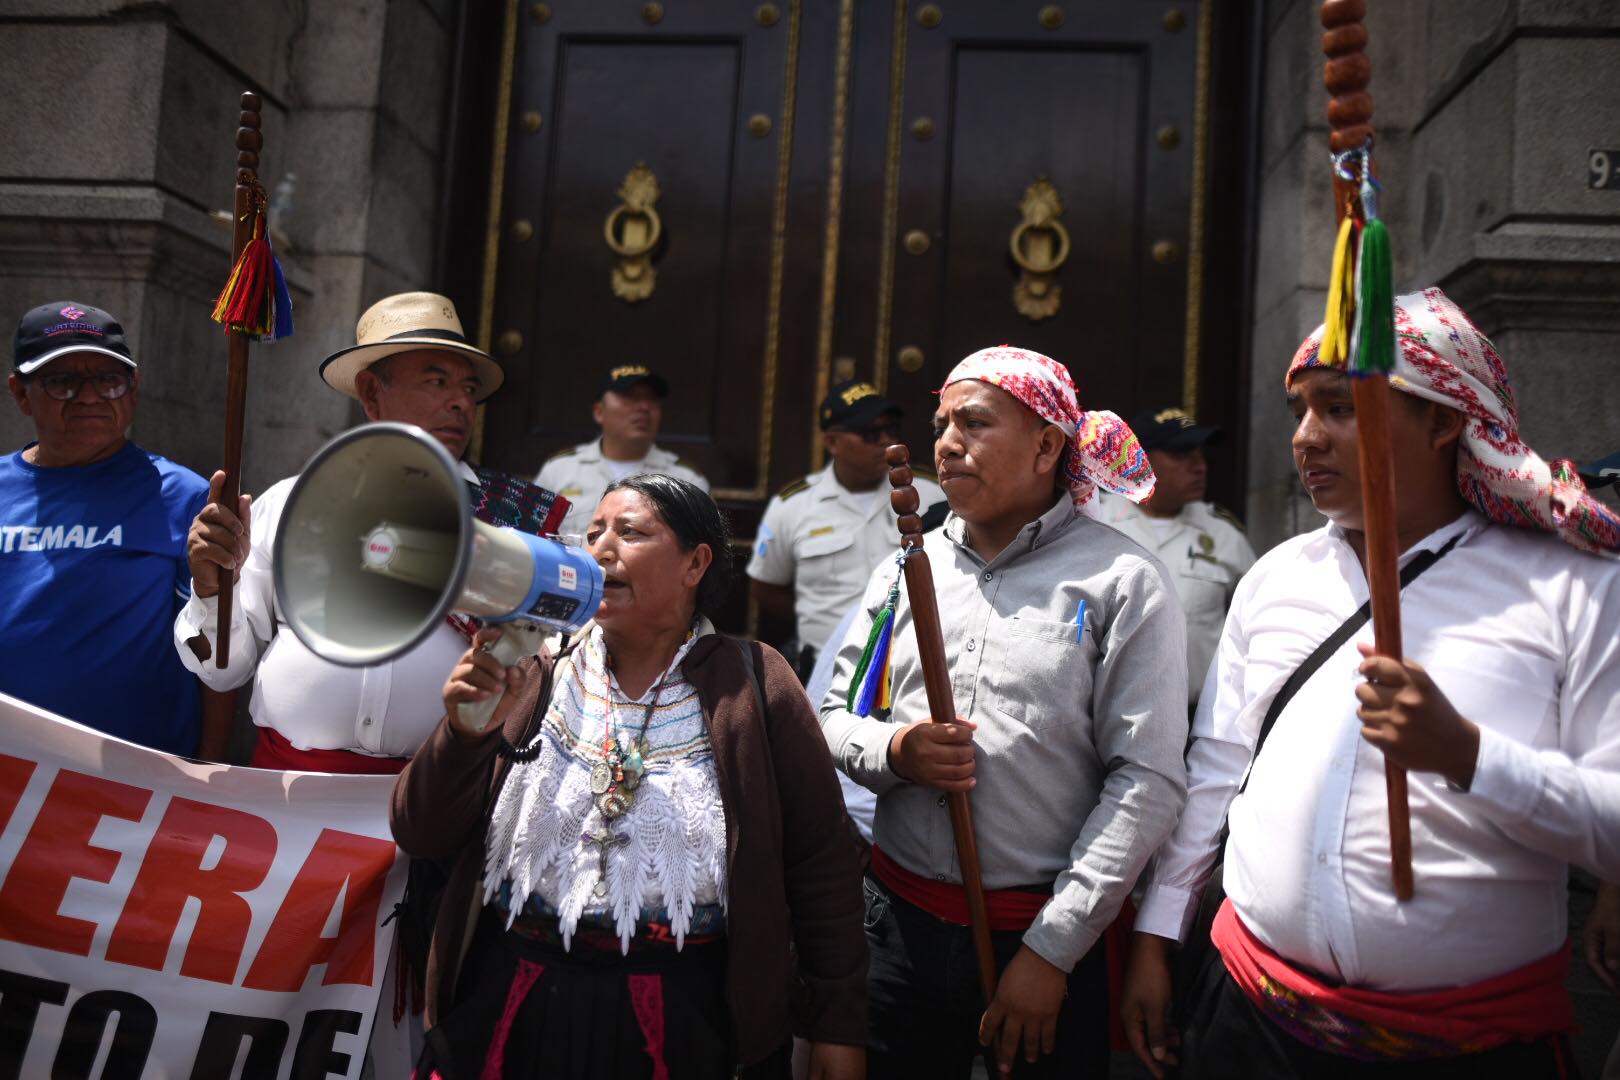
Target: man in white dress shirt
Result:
[1506, 711]
[410, 364]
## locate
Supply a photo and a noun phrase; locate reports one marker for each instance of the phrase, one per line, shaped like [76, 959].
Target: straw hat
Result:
[404, 323]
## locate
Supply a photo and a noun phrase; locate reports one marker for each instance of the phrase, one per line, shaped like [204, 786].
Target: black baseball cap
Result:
[62, 327]
[1171, 429]
[1602, 472]
[626, 376]
[853, 405]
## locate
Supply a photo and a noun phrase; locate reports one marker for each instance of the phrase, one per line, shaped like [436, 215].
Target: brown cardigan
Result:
[796, 962]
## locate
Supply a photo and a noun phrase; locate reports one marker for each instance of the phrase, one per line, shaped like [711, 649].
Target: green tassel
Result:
[1375, 302]
[875, 635]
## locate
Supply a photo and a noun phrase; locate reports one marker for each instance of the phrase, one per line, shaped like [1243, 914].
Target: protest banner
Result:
[164, 918]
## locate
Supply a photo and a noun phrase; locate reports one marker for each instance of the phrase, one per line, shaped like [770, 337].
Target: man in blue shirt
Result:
[93, 540]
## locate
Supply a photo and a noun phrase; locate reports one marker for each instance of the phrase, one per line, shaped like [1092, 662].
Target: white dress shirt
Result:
[1522, 634]
[582, 474]
[385, 710]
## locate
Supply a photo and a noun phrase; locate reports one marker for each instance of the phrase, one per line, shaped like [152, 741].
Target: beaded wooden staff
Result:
[1370, 354]
[941, 705]
[254, 305]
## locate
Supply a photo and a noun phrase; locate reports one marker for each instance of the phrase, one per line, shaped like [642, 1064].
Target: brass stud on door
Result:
[1175, 19]
[522, 230]
[530, 121]
[1051, 16]
[929, 16]
[916, 242]
[510, 342]
[652, 14]
[910, 359]
[922, 129]
[759, 125]
[1169, 136]
[540, 13]
[1166, 251]
[768, 14]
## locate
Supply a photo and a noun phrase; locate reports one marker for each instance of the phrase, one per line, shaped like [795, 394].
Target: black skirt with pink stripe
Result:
[526, 1009]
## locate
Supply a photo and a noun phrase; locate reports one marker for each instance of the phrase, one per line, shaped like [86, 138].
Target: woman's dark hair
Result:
[694, 519]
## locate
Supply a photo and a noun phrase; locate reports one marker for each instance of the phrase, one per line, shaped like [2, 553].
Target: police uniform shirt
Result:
[1206, 553]
[582, 474]
[823, 540]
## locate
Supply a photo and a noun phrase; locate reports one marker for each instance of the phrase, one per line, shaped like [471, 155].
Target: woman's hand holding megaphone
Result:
[218, 539]
[478, 676]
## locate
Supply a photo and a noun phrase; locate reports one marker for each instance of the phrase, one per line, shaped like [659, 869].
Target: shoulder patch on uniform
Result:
[559, 455]
[1227, 516]
[801, 484]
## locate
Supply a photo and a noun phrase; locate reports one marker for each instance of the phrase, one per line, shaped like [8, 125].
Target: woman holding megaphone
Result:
[651, 872]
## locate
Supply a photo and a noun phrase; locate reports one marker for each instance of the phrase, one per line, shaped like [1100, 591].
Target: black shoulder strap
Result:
[1335, 641]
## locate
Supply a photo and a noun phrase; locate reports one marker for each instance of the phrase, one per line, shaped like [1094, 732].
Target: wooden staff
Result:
[941, 705]
[1347, 74]
[249, 193]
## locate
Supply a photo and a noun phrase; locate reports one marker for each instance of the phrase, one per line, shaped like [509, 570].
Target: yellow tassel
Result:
[1341, 303]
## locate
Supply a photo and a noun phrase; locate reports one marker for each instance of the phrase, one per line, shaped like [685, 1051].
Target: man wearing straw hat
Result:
[1067, 651]
[1506, 712]
[410, 363]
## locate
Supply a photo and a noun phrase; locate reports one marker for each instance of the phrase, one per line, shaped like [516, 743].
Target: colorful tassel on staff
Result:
[1341, 299]
[869, 688]
[255, 301]
[1374, 344]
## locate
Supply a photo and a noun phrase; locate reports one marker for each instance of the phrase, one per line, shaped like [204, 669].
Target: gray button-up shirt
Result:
[1068, 650]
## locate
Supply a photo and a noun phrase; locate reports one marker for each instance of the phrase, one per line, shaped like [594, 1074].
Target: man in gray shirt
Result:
[1066, 647]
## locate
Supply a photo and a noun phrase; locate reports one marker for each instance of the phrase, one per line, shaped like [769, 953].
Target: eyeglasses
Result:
[108, 385]
[882, 433]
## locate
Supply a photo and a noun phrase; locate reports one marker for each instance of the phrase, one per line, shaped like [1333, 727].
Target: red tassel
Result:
[247, 303]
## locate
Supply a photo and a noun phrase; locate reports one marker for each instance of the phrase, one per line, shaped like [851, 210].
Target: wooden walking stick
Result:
[1347, 74]
[941, 705]
[254, 305]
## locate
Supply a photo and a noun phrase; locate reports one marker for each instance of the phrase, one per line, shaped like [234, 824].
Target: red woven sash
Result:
[1530, 1002]
[1010, 909]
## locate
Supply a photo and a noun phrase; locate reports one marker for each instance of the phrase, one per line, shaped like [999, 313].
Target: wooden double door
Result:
[760, 199]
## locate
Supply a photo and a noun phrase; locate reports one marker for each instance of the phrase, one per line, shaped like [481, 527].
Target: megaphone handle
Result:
[518, 639]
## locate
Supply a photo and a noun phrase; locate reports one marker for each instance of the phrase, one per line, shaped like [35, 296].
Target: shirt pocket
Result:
[1040, 671]
[823, 545]
[1201, 586]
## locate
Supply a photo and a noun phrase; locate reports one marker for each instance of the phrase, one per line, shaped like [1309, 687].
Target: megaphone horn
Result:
[377, 544]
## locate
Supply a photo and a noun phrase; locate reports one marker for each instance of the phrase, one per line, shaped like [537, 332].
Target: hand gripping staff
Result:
[941, 706]
[1360, 336]
[253, 305]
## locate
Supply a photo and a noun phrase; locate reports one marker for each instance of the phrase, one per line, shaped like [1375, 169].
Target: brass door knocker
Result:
[1040, 246]
[632, 231]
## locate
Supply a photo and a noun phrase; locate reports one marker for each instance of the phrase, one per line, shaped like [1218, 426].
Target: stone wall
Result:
[118, 124]
[1486, 111]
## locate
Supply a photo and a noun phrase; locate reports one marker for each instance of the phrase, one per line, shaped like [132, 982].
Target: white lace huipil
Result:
[670, 846]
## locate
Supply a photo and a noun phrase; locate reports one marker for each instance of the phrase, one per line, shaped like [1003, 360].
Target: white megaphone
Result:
[377, 544]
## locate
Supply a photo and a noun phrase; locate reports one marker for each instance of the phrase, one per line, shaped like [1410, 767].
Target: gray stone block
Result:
[1564, 103]
[81, 101]
[196, 142]
[1559, 378]
[1295, 243]
[415, 80]
[338, 58]
[330, 151]
[404, 203]
[254, 37]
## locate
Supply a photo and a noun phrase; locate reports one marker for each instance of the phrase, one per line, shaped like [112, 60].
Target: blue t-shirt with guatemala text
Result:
[92, 573]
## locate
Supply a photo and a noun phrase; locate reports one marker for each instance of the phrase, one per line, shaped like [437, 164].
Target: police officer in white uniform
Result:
[629, 408]
[1202, 545]
[821, 535]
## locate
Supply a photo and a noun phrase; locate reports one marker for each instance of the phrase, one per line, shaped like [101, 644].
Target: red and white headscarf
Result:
[1101, 451]
[1441, 356]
